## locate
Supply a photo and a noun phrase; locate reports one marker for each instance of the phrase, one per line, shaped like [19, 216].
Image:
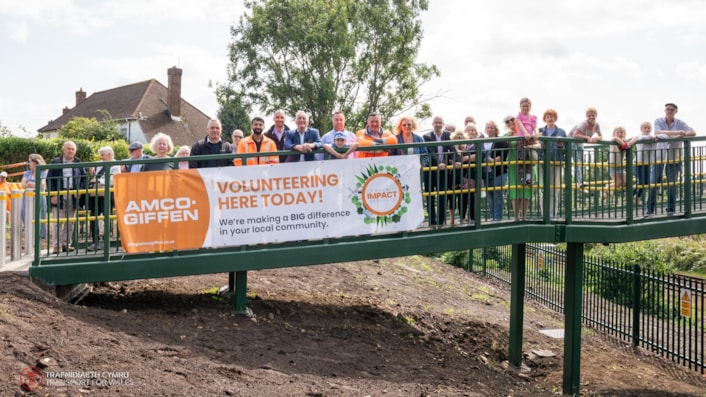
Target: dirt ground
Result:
[396, 327]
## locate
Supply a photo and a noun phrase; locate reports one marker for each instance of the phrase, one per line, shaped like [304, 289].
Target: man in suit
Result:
[302, 139]
[435, 180]
[64, 205]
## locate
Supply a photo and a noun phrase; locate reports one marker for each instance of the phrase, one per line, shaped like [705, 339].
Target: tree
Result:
[232, 113]
[4, 131]
[91, 129]
[323, 55]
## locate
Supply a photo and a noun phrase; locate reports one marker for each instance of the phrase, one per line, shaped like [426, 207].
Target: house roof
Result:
[145, 102]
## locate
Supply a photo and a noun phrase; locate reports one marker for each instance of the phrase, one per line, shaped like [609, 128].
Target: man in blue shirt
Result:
[339, 126]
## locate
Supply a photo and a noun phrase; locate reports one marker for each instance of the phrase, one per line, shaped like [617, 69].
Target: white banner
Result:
[268, 203]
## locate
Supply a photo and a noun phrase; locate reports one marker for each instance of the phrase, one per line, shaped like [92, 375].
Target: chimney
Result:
[174, 91]
[80, 96]
[65, 110]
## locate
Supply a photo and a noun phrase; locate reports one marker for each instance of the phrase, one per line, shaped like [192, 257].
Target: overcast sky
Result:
[626, 58]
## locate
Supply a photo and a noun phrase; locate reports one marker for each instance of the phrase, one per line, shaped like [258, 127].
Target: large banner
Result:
[232, 206]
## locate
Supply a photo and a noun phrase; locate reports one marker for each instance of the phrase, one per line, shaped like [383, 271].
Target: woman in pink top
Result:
[525, 125]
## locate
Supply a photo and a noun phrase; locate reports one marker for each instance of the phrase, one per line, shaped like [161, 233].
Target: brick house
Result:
[140, 110]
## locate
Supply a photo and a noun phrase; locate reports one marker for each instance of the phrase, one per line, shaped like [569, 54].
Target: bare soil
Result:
[396, 327]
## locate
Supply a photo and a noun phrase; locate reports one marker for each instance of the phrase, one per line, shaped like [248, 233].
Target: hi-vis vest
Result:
[248, 145]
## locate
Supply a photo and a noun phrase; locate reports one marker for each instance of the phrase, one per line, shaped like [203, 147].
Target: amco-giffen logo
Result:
[379, 195]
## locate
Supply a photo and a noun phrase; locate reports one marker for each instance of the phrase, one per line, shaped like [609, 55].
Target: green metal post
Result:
[573, 307]
[240, 294]
[687, 179]
[517, 303]
[636, 309]
[569, 147]
[547, 181]
[630, 174]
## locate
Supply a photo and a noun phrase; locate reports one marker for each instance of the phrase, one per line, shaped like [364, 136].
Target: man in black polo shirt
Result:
[211, 144]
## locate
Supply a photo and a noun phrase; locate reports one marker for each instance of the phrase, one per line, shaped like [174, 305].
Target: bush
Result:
[15, 149]
[686, 254]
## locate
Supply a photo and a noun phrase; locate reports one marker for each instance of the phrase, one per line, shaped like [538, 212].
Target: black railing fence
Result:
[661, 312]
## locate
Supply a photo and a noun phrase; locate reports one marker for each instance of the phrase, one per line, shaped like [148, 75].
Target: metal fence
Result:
[663, 313]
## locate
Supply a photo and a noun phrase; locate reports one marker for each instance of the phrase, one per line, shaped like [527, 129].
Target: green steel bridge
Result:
[564, 211]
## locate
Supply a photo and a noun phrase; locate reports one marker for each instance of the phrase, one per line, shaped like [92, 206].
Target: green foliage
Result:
[686, 254]
[16, 149]
[319, 56]
[232, 113]
[90, 129]
[456, 258]
[615, 282]
[4, 131]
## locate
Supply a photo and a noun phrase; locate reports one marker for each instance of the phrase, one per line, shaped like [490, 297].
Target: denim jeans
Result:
[672, 171]
[577, 157]
[496, 201]
[642, 172]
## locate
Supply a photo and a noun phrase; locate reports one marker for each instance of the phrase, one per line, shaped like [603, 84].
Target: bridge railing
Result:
[569, 185]
[661, 312]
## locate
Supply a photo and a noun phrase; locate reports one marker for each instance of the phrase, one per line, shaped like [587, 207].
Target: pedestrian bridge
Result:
[563, 211]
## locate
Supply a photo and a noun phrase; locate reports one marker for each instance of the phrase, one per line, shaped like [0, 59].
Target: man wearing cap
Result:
[5, 187]
[211, 144]
[135, 149]
[340, 143]
[339, 126]
[668, 157]
[63, 205]
[255, 143]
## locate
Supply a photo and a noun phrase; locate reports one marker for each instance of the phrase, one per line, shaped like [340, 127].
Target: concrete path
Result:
[21, 265]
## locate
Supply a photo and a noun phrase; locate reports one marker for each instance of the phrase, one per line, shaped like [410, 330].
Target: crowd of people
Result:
[452, 172]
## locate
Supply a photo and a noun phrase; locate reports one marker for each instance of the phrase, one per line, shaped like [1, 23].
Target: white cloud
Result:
[626, 58]
[17, 31]
[692, 71]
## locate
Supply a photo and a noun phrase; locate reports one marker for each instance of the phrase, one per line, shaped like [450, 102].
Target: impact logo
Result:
[379, 196]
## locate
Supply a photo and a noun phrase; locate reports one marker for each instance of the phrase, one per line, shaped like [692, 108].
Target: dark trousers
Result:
[436, 182]
[96, 205]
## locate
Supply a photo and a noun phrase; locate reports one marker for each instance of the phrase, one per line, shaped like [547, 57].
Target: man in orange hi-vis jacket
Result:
[374, 135]
[255, 143]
